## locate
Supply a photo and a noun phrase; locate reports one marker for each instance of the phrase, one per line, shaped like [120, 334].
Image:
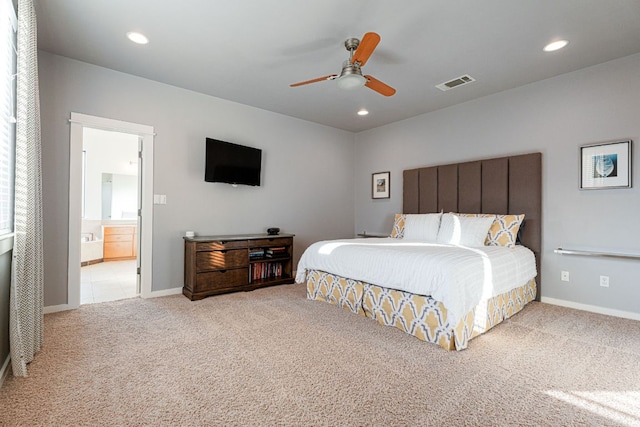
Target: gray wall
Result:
[555, 117]
[307, 168]
[317, 179]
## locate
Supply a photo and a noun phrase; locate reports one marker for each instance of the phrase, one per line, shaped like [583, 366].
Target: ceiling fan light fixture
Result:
[351, 81]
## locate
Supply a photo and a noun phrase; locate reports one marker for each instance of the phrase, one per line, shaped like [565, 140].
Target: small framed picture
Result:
[605, 165]
[380, 185]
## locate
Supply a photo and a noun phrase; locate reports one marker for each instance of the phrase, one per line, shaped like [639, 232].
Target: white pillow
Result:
[464, 231]
[422, 227]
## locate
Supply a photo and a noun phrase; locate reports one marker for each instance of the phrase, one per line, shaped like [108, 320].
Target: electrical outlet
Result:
[564, 276]
[604, 281]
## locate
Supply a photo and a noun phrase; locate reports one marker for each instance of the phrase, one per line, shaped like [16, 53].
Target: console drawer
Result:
[220, 244]
[221, 279]
[223, 259]
[272, 241]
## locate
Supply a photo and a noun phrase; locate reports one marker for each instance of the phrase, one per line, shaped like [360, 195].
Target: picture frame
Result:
[605, 165]
[381, 185]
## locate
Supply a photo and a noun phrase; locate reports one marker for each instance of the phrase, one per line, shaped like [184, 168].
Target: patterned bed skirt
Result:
[418, 315]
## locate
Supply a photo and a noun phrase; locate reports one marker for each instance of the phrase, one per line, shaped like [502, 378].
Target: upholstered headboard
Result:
[504, 185]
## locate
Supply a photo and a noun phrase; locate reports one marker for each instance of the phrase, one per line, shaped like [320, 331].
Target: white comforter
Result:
[458, 276]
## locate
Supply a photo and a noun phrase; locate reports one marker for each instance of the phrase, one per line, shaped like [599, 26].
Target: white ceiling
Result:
[249, 51]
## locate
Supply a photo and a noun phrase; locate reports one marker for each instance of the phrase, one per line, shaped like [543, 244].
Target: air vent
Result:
[462, 80]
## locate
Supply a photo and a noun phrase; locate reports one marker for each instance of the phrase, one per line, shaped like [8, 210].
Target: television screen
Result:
[232, 163]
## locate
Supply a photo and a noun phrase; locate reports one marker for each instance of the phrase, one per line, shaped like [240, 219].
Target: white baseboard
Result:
[56, 308]
[592, 308]
[165, 292]
[154, 294]
[4, 371]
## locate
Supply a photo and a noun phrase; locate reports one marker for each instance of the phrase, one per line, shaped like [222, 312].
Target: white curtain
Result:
[27, 282]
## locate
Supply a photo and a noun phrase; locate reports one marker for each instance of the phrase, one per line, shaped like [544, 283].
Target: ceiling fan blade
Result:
[319, 79]
[365, 48]
[378, 86]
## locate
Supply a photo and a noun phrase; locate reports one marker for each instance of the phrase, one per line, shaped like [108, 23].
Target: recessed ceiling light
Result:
[558, 44]
[137, 37]
[363, 112]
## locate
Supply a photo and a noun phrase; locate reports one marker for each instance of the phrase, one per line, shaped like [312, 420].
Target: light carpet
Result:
[272, 357]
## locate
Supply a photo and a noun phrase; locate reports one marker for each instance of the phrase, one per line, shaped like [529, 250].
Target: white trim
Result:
[111, 124]
[98, 126]
[75, 214]
[77, 123]
[166, 292]
[154, 294]
[4, 371]
[146, 226]
[56, 308]
[592, 308]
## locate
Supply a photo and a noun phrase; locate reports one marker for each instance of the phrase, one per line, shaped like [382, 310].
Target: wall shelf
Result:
[595, 253]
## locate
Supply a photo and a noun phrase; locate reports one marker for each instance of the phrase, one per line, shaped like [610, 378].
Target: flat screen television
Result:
[232, 163]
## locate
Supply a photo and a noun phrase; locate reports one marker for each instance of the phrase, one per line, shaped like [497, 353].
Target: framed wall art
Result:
[605, 165]
[380, 185]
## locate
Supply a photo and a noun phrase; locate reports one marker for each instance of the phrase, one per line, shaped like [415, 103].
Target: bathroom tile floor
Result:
[107, 281]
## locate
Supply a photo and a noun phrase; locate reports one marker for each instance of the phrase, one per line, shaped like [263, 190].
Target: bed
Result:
[414, 289]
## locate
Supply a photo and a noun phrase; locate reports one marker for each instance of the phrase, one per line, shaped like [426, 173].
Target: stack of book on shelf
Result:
[265, 270]
[276, 252]
[256, 253]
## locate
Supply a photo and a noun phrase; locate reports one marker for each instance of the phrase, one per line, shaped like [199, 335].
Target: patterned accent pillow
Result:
[397, 232]
[503, 231]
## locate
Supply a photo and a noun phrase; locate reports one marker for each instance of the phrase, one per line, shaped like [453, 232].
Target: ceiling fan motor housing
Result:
[351, 44]
[349, 68]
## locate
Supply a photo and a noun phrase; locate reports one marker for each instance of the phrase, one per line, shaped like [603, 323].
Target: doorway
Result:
[130, 214]
[109, 230]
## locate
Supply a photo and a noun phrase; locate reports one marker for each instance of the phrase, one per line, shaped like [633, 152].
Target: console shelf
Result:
[220, 264]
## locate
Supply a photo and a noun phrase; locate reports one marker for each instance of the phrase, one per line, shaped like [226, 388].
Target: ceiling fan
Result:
[351, 75]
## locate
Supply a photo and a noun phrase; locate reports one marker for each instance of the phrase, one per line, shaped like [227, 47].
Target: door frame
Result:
[146, 135]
